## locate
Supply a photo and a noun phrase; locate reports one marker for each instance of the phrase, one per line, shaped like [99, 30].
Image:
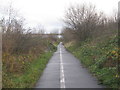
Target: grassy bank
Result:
[100, 56]
[32, 72]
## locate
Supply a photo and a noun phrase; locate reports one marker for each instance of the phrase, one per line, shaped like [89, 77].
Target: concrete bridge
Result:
[47, 35]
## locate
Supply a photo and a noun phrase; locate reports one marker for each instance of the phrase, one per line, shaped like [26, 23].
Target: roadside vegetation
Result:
[93, 38]
[100, 58]
[24, 53]
[29, 75]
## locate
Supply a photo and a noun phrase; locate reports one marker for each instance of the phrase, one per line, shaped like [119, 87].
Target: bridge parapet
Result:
[46, 35]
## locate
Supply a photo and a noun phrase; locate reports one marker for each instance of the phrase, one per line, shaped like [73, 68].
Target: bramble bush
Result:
[101, 59]
[20, 49]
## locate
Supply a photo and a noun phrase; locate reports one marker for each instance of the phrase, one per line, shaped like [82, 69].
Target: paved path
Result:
[65, 71]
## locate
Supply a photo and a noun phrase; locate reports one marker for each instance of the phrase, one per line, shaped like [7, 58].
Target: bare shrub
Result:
[86, 22]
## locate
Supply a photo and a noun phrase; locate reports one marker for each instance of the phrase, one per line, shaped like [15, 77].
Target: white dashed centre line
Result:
[62, 77]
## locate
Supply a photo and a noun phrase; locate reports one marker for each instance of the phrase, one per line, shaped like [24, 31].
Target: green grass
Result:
[28, 79]
[100, 57]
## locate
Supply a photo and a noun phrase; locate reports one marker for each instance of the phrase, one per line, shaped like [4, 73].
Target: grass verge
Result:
[33, 70]
[101, 58]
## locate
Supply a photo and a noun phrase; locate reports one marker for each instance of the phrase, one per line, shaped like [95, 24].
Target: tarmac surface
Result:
[65, 71]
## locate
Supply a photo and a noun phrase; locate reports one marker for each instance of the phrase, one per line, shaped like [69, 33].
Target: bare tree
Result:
[83, 19]
[86, 22]
[40, 29]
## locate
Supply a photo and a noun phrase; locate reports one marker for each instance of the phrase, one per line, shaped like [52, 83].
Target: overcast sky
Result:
[49, 13]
